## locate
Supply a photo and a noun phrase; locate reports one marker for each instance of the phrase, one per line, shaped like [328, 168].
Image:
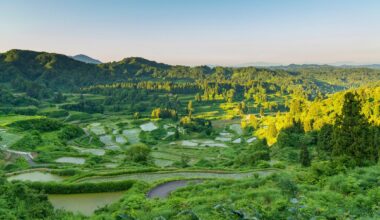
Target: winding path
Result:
[27, 155]
[163, 190]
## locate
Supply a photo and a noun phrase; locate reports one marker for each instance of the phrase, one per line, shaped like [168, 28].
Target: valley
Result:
[137, 139]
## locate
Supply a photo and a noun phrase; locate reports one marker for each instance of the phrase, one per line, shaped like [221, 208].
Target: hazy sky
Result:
[194, 32]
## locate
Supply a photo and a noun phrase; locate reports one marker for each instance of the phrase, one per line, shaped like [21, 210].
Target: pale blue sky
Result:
[196, 32]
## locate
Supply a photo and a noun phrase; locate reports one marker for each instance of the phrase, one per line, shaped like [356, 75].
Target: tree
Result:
[138, 153]
[255, 152]
[136, 115]
[176, 133]
[272, 130]
[190, 108]
[305, 156]
[242, 108]
[230, 95]
[59, 97]
[198, 97]
[262, 114]
[325, 139]
[353, 136]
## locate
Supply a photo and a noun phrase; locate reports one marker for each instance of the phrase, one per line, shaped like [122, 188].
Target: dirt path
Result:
[163, 190]
[28, 156]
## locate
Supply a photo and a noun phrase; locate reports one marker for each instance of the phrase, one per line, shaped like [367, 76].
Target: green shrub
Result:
[56, 113]
[29, 142]
[70, 188]
[263, 164]
[29, 110]
[39, 124]
[279, 165]
[70, 132]
[257, 151]
[139, 153]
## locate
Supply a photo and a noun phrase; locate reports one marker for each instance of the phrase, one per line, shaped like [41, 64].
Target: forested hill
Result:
[60, 72]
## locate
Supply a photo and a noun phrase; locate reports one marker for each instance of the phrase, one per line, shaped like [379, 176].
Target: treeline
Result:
[84, 105]
[39, 73]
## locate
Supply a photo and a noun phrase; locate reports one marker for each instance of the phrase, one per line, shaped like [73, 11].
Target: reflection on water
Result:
[84, 203]
[36, 176]
[73, 160]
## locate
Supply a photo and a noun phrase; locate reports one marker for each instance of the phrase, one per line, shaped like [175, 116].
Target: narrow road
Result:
[163, 190]
[26, 155]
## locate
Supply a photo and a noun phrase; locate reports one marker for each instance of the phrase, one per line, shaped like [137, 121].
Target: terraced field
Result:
[151, 177]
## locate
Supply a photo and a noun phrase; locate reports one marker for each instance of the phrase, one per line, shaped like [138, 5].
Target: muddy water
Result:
[84, 203]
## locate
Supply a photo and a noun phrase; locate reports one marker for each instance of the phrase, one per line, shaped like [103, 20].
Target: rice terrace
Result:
[191, 110]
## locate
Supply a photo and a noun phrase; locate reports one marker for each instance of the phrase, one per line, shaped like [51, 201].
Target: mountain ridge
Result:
[61, 71]
[86, 59]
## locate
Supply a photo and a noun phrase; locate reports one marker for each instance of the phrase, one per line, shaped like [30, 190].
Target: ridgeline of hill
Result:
[60, 72]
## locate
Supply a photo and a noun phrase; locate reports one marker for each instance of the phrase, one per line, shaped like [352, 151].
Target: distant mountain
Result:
[371, 66]
[374, 66]
[257, 64]
[29, 69]
[86, 59]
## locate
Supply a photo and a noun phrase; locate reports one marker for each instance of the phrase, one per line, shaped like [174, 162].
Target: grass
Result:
[9, 138]
[6, 120]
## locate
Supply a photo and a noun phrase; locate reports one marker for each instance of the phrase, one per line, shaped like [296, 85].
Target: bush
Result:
[279, 165]
[69, 188]
[29, 142]
[56, 113]
[164, 113]
[70, 132]
[257, 151]
[196, 124]
[30, 110]
[262, 164]
[39, 124]
[88, 106]
[65, 172]
[138, 153]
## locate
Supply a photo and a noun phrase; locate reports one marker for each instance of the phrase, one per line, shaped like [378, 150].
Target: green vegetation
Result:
[67, 188]
[292, 142]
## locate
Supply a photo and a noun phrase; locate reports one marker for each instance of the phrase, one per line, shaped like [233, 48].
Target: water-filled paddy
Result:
[84, 203]
[200, 142]
[148, 126]
[155, 176]
[120, 139]
[237, 128]
[106, 139]
[132, 135]
[36, 176]
[94, 151]
[224, 139]
[97, 128]
[250, 140]
[112, 147]
[73, 160]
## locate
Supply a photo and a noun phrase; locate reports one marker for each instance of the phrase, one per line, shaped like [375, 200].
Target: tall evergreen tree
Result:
[353, 136]
[305, 156]
[190, 108]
